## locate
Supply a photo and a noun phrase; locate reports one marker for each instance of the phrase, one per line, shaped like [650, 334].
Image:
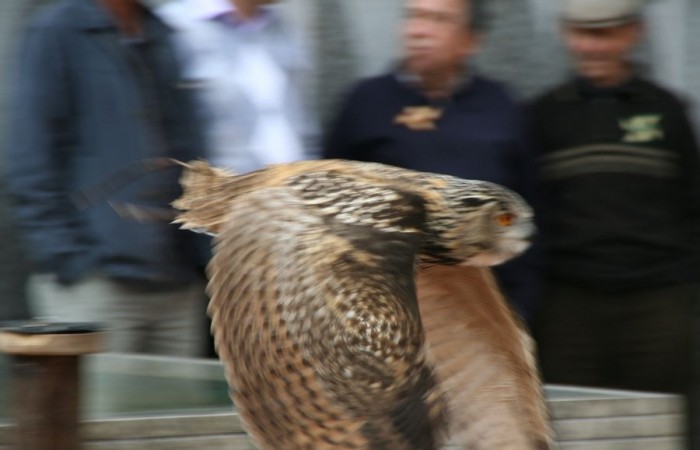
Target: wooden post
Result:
[45, 381]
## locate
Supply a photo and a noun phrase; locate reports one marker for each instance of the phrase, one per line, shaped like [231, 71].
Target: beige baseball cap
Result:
[600, 13]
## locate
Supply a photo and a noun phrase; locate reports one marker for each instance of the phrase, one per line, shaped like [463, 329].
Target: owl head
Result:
[476, 223]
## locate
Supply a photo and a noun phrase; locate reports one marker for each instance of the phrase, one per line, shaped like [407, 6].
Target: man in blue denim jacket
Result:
[98, 90]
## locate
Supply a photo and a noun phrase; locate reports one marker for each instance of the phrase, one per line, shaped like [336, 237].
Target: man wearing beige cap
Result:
[601, 13]
[599, 35]
[619, 171]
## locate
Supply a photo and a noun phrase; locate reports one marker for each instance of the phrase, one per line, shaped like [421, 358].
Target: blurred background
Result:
[352, 39]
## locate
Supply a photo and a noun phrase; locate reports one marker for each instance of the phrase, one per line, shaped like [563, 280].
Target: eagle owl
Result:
[352, 310]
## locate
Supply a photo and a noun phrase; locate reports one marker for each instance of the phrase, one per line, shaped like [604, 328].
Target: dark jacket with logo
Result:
[620, 178]
[85, 104]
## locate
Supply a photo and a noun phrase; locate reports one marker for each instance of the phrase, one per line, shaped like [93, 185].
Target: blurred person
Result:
[433, 113]
[620, 177]
[97, 91]
[247, 71]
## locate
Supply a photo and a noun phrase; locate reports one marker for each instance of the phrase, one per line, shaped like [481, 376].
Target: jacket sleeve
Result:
[41, 140]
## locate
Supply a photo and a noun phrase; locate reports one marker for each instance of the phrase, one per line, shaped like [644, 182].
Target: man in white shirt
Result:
[247, 69]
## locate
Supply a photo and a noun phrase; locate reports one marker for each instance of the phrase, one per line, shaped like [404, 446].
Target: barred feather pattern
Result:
[299, 342]
[459, 226]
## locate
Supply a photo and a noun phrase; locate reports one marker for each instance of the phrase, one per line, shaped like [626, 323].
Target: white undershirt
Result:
[273, 140]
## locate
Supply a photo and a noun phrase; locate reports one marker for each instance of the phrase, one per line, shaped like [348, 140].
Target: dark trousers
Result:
[694, 394]
[637, 340]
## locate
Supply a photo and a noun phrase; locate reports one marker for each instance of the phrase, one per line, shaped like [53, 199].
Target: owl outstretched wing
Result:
[317, 324]
[484, 359]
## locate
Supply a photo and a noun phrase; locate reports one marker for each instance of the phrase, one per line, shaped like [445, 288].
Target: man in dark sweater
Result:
[620, 176]
[433, 114]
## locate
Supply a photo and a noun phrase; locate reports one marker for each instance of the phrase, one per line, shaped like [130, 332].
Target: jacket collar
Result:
[91, 16]
[412, 80]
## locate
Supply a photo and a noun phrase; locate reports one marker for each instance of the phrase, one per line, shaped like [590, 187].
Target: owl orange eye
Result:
[505, 219]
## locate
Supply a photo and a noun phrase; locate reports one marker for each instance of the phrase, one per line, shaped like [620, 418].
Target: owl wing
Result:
[317, 325]
[484, 360]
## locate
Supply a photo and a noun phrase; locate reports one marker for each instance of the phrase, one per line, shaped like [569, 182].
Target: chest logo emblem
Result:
[642, 128]
[419, 118]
